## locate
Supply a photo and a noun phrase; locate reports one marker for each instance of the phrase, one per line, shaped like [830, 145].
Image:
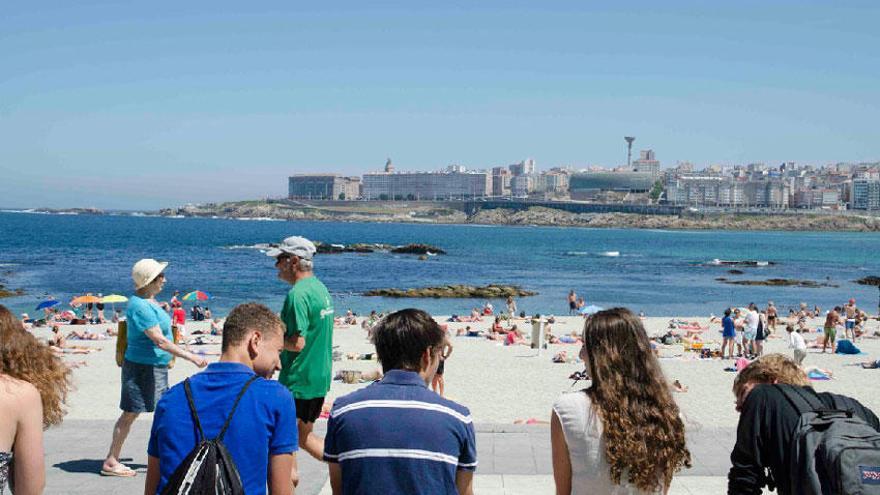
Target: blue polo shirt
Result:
[396, 436]
[264, 423]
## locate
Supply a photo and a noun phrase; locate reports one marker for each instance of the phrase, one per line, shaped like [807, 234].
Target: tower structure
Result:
[629, 150]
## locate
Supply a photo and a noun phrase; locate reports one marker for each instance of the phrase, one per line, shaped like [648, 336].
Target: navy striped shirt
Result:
[396, 436]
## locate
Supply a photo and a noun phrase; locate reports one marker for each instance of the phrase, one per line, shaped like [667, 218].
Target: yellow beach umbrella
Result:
[114, 298]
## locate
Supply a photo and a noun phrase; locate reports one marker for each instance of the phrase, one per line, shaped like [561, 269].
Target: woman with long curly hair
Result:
[623, 434]
[33, 388]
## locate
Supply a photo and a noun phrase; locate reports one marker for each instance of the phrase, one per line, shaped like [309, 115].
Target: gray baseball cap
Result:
[294, 245]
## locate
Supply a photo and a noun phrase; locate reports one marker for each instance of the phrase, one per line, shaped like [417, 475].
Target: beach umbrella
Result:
[196, 295]
[588, 310]
[113, 298]
[85, 300]
[48, 303]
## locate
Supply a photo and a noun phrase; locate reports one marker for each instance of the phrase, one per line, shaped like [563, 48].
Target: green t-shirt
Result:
[308, 311]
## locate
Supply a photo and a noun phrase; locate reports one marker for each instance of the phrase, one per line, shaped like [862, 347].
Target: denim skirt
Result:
[142, 386]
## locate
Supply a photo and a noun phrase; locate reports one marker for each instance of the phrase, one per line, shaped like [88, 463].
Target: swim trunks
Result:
[830, 334]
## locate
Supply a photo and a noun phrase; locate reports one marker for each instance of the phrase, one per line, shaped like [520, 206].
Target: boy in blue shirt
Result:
[262, 435]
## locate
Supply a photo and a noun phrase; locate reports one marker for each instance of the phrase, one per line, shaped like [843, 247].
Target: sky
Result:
[143, 105]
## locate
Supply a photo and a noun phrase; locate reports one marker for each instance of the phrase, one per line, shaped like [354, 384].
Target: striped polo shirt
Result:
[396, 436]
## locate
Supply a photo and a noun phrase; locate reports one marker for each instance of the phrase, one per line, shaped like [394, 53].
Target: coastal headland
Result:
[526, 213]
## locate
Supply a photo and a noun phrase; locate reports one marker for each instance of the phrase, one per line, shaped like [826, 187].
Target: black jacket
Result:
[763, 437]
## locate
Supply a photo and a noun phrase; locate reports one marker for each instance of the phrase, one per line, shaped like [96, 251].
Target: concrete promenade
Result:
[514, 459]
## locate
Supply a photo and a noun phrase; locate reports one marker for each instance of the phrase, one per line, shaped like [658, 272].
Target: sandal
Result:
[121, 471]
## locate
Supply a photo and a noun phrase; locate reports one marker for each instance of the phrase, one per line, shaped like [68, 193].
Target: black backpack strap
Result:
[802, 401]
[234, 406]
[192, 408]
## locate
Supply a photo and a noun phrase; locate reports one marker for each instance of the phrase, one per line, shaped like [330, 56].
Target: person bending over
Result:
[768, 421]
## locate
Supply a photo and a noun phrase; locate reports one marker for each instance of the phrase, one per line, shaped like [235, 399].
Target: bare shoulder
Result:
[18, 392]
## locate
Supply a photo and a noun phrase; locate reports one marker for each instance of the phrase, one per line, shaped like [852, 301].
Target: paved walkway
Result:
[514, 459]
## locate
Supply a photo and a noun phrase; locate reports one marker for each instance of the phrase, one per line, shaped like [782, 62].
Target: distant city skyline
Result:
[144, 106]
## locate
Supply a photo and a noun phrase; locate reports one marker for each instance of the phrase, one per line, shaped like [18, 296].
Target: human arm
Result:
[29, 469]
[464, 482]
[746, 474]
[447, 349]
[282, 473]
[155, 334]
[559, 454]
[294, 343]
[153, 475]
[336, 477]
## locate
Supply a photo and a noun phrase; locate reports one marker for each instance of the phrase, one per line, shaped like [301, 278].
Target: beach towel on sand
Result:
[817, 375]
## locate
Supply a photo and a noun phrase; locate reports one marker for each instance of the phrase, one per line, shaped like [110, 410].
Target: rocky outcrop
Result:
[778, 282]
[804, 222]
[421, 249]
[869, 280]
[70, 211]
[4, 292]
[324, 248]
[491, 291]
[426, 212]
[418, 249]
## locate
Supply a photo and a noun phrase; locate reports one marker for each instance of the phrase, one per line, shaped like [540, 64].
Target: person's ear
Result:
[427, 354]
[254, 343]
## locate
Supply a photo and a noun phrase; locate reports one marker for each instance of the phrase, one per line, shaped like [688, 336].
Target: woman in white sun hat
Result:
[149, 350]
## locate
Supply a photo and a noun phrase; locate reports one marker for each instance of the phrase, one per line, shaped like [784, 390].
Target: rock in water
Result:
[869, 280]
[778, 282]
[425, 249]
[491, 291]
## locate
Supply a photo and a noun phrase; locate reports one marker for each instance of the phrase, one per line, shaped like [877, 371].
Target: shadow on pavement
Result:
[92, 466]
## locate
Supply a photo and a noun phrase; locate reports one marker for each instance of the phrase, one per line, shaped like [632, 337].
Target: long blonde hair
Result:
[23, 357]
[643, 433]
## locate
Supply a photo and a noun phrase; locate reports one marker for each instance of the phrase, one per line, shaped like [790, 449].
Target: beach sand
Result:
[501, 384]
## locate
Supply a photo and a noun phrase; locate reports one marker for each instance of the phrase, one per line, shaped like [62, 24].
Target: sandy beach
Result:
[501, 384]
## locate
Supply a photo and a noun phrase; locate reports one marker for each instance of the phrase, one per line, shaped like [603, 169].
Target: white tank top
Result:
[582, 427]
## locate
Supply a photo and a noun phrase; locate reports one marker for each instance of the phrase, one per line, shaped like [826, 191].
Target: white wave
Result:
[604, 254]
[261, 246]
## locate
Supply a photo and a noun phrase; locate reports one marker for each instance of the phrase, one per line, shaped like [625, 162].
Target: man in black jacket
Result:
[768, 421]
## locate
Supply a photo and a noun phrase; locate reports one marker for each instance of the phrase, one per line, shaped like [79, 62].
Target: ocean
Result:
[657, 272]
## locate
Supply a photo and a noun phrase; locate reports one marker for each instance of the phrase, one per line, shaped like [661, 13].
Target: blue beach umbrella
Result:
[588, 310]
[48, 303]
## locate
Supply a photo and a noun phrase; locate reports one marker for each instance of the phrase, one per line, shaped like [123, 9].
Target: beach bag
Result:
[121, 342]
[833, 450]
[208, 468]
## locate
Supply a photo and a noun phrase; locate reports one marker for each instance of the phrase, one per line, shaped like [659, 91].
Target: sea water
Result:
[654, 271]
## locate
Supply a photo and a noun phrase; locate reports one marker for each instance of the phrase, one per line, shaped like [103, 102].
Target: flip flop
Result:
[121, 471]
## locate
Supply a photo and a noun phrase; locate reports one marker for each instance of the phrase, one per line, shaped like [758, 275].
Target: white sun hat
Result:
[145, 271]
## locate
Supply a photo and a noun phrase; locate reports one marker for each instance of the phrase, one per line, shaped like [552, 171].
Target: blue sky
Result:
[157, 104]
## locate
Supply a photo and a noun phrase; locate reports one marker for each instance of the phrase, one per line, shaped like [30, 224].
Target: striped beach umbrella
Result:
[196, 295]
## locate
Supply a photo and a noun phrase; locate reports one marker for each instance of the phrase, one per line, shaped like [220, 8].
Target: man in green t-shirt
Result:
[307, 358]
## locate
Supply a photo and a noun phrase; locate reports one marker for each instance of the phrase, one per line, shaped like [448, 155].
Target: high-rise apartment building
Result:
[647, 163]
[865, 194]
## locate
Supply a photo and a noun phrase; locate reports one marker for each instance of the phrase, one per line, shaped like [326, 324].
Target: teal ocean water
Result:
[658, 272]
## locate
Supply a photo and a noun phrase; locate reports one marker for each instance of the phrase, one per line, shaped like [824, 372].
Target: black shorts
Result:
[440, 367]
[308, 410]
[572, 305]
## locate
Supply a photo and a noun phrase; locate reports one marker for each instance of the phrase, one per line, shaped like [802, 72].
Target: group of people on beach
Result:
[622, 434]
